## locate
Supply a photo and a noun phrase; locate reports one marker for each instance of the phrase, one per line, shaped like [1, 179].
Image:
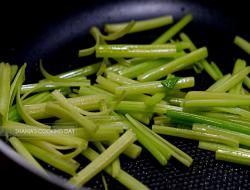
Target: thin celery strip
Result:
[140, 25]
[173, 30]
[242, 43]
[119, 78]
[146, 51]
[195, 135]
[20, 148]
[235, 79]
[13, 71]
[246, 81]
[5, 79]
[173, 66]
[174, 151]
[238, 66]
[105, 158]
[219, 82]
[194, 118]
[56, 161]
[153, 87]
[155, 147]
[123, 177]
[243, 139]
[135, 70]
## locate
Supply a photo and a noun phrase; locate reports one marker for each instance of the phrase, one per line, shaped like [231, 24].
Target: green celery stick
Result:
[195, 135]
[219, 82]
[140, 25]
[242, 43]
[173, 66]
[105, 158]
[123, 177]
[173, 30]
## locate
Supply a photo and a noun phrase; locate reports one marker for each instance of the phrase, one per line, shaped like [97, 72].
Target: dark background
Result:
[55, 30]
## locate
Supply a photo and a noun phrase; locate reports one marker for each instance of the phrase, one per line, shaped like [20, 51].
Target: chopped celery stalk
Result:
[5, 79]
[241, 137]
[195, 135]
[203, 95]
[122, 80]
[118, 34]
[156, 98]
[242, 43]
[173, 30]
[219, 82]
[56, 161]
[90, 50]
[175, 65]
[20, 148]
[235, 79]
[217, 70]
[154, 86]
[247, 82]
[148, 51]
[235, 156]
[215, 103]
[140, 25]
[49, 85]
[13, 71]
[135, 70]
[123, 177]
[102, 161]
[194, 118]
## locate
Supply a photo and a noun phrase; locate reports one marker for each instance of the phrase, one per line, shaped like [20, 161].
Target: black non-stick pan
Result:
[55, 30]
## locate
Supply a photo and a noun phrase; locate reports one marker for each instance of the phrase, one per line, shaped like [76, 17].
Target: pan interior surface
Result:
[60, 30]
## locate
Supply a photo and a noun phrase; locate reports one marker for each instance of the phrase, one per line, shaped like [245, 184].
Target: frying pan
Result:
[55, 31]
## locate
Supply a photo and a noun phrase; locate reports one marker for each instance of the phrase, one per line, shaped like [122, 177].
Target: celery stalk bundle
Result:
[134, 85]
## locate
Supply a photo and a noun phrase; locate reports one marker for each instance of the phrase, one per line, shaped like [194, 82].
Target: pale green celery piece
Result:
[116, 163]
[238, 111]
[23, 113]
[212, 69]
[102, 161]
[156, 98]
[176, 101]
[216, 69]
[171, 32]
[204, 95]
[145, 51]
[49, 85]
[140, 25]
[5, 79]
[69, 110]
[90, 50]
[135, 70]
[243, 139]
[174, 151]
[123, 177]
[20, 148]
[119, 33]
[55, 78]
[13, 71]
[175, 65]
[56, 161]
[235, 79]
[92, 90]
[242, 43]
[219, 82]
[153, 86]
[235, 156]
[238, 66]
[107, 84]
[36, 98]
[91, 103]
[162, 120]
[105, 184]
[215, 103]
[246, 81]
[195, 135]
[132, 106]
[154, 146]
[83, 71]
[119, 78]
[117, 68]
[191, 118]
